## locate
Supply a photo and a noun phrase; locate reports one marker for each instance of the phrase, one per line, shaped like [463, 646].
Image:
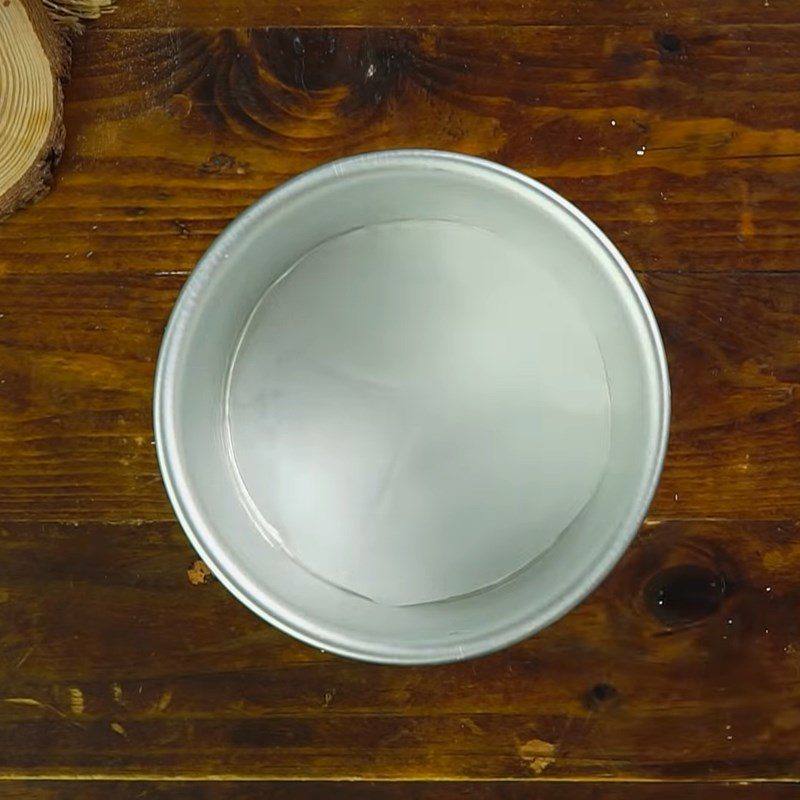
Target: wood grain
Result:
[76, 388]
[678, 132]
[309, 790]
[172, 133]
[149, 14]
[684, 664]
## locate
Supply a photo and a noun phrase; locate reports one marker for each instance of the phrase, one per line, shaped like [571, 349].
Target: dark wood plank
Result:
[76, 384]
[684, 664]
[309, 790]
[147, 14]
[683, 145]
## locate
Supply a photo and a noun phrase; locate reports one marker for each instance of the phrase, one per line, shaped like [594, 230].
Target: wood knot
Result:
[684, 594]
[601, 695]
[223, 164]
[670, 45]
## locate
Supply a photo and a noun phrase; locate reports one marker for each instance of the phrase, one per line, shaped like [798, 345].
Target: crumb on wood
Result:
[199, 574]
[537, 754]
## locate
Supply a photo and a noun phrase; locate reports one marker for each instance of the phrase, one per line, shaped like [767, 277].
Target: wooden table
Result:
[675, 124]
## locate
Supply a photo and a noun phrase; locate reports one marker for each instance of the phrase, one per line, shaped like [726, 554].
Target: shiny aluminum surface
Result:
[411, 406]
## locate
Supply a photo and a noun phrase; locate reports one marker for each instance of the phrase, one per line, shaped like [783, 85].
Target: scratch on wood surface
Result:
[470, 725]
[537, 754]
[26, 655]
[163, 702]
[33, 703]
[24, 701]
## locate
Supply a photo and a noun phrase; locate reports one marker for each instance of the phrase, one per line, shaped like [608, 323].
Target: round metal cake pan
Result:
[411, 407]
